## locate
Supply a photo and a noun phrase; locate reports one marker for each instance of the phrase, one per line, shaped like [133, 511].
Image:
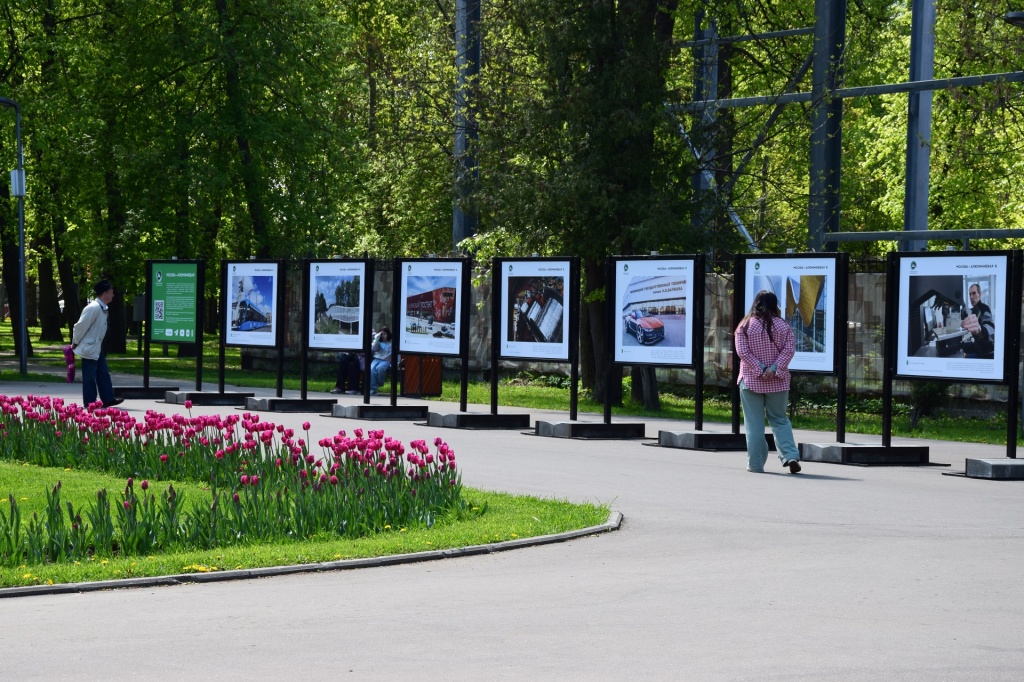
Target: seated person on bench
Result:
[381, 362]
[350, 366]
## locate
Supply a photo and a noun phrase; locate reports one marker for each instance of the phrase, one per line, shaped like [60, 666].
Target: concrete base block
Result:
[592, 430]
[290, 404]
[397, 413]
[708, 440]
[864, 455]
[466, 420]
[207, 398]
[997, 469]
[141, 392]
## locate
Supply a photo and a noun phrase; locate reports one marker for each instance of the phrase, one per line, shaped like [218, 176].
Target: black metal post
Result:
[280, 327]
[497, 310]
[225, 322]
[396, 331]
[367, 328]
[889, 335]
[304, 334]
[200, 321]
[467, 288]
[842, 331]
[574, 340]
[1012, 352]
[145, 330]
[739, 286]
[609, 310]
[697, 309]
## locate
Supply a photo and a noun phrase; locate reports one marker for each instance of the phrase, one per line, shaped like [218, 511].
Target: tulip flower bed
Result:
[265, 483]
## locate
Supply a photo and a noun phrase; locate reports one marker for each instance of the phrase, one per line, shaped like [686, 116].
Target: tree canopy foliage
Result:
[291, 128]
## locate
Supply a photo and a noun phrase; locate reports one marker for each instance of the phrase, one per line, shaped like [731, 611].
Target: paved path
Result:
[839, 573]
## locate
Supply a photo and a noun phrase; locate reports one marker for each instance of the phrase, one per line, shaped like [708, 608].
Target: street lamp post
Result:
[18, 190]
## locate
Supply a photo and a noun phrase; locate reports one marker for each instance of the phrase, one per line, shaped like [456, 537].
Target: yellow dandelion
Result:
[337, 556]
[26, 576]
[239, 566]
[49, 582]
[104, 562]
[23, 499]
[401, 530]
[387, 526]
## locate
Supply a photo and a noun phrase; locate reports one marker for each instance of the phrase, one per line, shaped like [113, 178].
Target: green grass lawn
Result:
[497, 517]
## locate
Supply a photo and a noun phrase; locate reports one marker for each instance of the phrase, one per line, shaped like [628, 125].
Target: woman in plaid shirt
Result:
[765, 344]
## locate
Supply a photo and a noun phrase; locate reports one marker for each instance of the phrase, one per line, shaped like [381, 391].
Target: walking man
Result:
[87, 343]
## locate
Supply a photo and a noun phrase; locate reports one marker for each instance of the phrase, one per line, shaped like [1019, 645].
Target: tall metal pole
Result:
[919, 122]
[826, 121]
[705, 89]
[18, 190]
[467, 60]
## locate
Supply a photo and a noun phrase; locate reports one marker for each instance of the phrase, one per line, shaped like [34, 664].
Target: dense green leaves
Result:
[290, 128]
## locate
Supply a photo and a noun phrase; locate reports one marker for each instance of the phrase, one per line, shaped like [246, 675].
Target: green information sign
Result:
[174, 303]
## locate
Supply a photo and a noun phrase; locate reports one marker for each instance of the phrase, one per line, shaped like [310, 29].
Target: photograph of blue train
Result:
[251, 293]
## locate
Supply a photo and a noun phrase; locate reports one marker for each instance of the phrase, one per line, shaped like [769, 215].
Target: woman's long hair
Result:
[766, 307]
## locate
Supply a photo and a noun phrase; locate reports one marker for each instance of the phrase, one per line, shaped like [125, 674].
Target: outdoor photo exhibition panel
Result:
[653, 310]
[806, 288]
[337, 298]
[174, 296]
[952, 315]
[250, 303]
[430, 306]
[535, 308]
[174, 301]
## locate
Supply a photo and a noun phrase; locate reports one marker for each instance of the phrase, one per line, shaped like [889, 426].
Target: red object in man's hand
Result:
[69, 358]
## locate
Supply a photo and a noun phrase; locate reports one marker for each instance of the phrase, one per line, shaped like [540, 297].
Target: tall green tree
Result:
[590, 164]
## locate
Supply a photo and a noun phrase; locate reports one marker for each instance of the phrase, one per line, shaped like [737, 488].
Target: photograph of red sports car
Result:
[646, 328]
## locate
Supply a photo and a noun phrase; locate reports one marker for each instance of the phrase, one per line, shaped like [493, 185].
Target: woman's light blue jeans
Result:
[757, 406]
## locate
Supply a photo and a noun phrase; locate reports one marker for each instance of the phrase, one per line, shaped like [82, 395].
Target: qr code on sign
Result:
[158, 311]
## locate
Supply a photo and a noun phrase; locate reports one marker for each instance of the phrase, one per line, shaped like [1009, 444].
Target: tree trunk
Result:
[49, 308]
[116, 341]
[596, 282]
[250, 176]
[644, 387]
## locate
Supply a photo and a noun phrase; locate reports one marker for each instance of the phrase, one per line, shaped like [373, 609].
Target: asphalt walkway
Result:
[838, 573]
